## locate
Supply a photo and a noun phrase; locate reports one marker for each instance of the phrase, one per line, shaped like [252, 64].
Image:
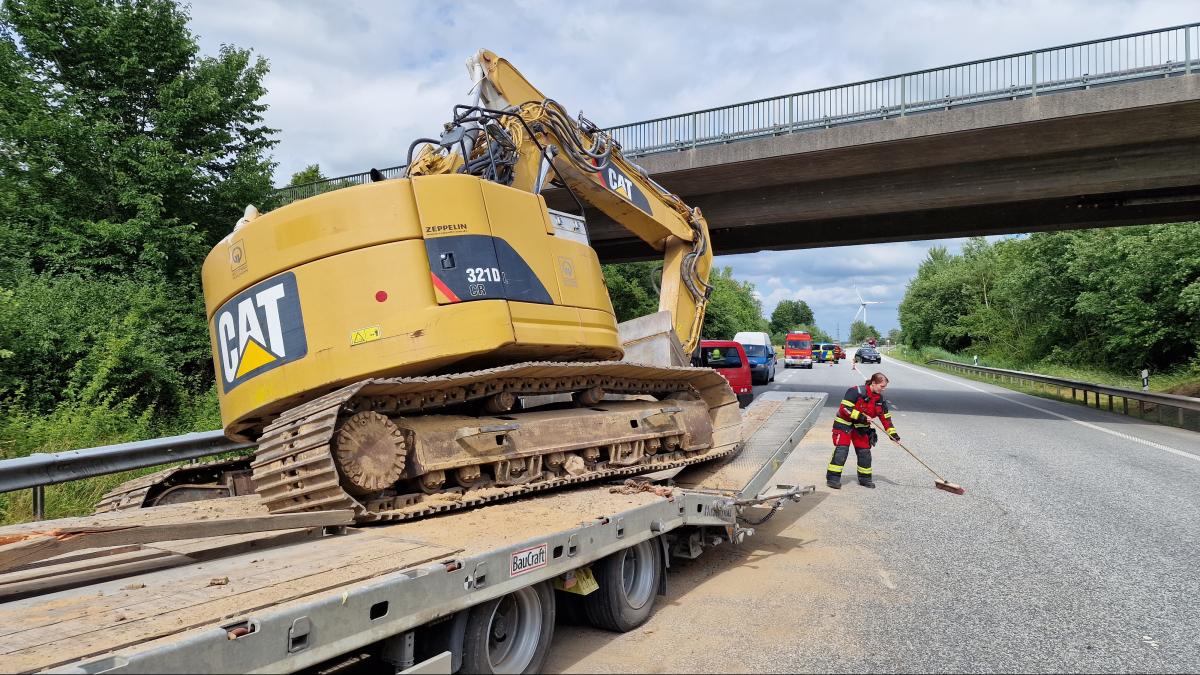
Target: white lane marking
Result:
[1089, 425]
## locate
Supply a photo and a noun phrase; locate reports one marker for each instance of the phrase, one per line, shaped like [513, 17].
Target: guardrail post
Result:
[39, 502]
[1033, 74]
[1124, 405]
[1180, 417]
[1187, 51]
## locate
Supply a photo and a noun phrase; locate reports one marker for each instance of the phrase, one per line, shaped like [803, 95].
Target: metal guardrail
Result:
[1164, 52]
[41, 469]
[1159, 400]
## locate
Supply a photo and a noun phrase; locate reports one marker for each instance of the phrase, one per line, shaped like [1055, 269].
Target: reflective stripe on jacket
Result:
[857, 407]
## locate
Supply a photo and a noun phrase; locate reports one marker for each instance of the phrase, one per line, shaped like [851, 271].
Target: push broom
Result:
[940, 483]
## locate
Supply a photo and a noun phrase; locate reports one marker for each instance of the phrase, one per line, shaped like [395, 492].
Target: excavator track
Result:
[295, 468]
[206, 480]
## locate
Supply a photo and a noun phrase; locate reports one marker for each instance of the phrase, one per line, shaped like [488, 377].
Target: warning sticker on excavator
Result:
[259, 329]
[365, 335]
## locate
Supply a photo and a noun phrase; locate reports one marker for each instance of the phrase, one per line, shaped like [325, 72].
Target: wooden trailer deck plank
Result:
[34, 546]
[71, 625]
[213, 509]
[96, 565]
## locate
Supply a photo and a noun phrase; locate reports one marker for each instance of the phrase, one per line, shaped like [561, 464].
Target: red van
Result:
[797, 350]
[729, 359]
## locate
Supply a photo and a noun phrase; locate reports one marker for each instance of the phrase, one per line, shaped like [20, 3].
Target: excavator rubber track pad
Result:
[295, 469]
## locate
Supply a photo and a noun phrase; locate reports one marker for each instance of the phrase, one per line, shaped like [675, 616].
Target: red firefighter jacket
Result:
[858, 406]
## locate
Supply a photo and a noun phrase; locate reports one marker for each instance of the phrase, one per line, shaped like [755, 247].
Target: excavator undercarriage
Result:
[401, 448]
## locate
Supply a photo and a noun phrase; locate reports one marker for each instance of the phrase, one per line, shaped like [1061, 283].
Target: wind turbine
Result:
[862, 305]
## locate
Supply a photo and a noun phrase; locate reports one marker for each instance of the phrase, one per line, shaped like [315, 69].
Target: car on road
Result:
[820, 349]
[729, 359]
[867, 355]
[761, 354]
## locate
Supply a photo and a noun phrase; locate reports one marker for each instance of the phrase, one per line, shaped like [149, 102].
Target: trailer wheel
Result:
[629, 580]
[510, 634]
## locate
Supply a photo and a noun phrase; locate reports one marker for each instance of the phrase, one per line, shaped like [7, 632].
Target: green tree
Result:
[125, 155]
[732, 307]
[631, 287]
[1118, 298]
[309, 174]
[933, 302]
[860, 331]
[127, 152]
[790, 313]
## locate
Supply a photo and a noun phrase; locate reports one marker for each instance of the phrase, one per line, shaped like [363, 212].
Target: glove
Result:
[874, 437]
[893, 435]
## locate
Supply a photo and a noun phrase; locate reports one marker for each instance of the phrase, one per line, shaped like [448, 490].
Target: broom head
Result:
[949, 487]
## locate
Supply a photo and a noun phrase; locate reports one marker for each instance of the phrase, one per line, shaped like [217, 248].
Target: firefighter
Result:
[853, 425]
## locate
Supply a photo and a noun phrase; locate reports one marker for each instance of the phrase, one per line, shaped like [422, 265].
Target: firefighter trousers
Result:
[841, 450]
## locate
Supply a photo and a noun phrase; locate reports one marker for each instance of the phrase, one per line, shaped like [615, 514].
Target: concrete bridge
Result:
[1115, 155]
[1094, 134]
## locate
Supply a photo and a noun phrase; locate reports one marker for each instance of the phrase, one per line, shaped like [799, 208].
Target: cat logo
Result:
[259, 329]
[614, 179]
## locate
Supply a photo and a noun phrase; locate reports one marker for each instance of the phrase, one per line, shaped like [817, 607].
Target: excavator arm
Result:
[514, 134]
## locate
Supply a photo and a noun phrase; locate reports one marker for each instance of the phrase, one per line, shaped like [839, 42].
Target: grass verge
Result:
[86, 425]
[1184, 382]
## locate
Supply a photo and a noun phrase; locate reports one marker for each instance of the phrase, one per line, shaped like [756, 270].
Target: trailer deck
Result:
[291, 598]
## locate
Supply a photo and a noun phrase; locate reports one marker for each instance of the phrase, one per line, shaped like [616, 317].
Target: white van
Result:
[760, 353]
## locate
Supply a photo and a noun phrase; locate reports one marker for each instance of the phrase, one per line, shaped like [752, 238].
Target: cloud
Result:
[830, 280]
[352, 83]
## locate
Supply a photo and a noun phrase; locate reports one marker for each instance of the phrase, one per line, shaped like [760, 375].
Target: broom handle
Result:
[876, 423]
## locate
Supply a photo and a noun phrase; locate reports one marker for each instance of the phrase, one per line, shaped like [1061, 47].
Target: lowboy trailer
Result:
[222, 586]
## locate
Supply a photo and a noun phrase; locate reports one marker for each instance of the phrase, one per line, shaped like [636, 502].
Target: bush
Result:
[95, 341]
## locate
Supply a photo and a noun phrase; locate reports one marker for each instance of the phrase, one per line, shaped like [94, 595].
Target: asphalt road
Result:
[1074, 549]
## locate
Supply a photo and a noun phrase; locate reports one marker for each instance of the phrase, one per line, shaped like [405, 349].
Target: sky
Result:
[352, 83]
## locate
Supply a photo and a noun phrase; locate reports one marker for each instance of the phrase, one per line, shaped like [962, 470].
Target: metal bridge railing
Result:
[1144, 399]
[1158, 53]
[41, 469]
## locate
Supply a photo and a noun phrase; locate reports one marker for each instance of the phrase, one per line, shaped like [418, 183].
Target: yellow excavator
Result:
[432, 342]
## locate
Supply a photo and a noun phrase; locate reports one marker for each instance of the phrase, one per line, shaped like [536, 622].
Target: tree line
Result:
[125, 155]
[1120, 299]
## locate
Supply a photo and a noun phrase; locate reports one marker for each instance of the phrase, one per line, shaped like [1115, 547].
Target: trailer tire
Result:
[628, 579]
[510, 634]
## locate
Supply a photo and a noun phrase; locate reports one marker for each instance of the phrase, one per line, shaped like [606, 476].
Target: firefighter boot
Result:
[866, 482]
